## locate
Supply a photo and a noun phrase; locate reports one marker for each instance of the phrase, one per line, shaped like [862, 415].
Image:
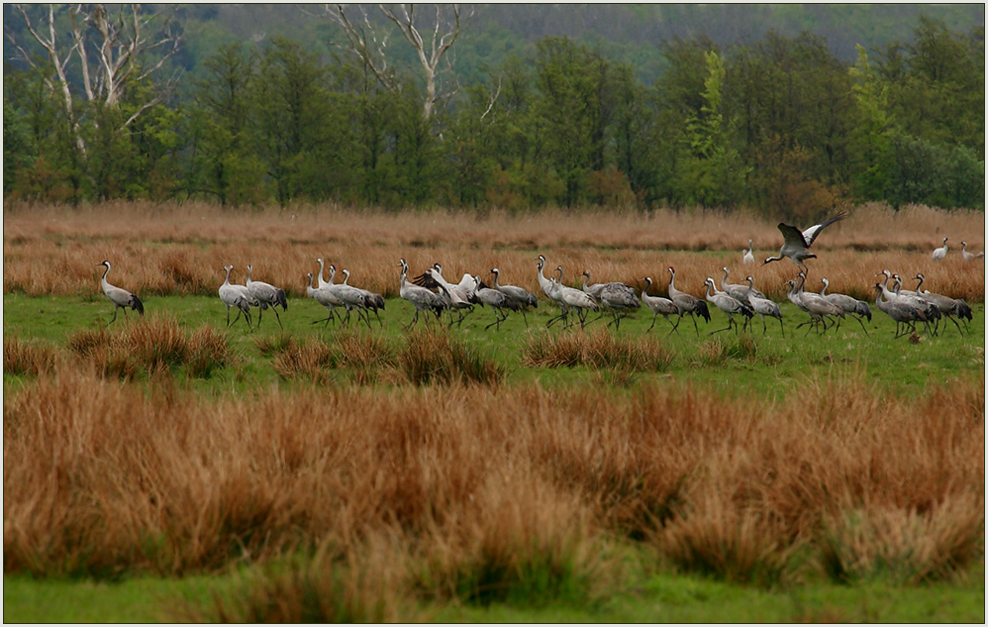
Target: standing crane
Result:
[519, 295]
[659, 305]
[483, 295]
[456, 297]
[235, 296]
[351, 297]
[970, 256]
[548, 288]
[267, 295]
[687, 303]
[947, 306]
[736, 291]
[121, 298]
[899, 311]
[372, 300]
[940, 253]
[727, 304]
[324, 297]
[797, 243]
[820, 309]
[573, 299]
[614, 296]
[850, 305]
[763, 306]
[423, 299]
[749, 255]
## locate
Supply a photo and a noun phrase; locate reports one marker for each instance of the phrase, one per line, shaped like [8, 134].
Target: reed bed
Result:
[598, 349]
[182, 249]
[481, 492]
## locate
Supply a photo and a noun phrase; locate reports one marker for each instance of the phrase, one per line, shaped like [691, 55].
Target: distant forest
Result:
[791, 110]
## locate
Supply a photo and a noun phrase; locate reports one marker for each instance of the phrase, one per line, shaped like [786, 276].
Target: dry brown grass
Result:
[182, 249]
[151, 345]
[598, 349]
[30, 358]
[489, 491]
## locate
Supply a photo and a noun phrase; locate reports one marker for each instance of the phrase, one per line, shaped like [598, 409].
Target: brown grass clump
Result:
[599, 349]
[302, 359]
[368, 586]
[153, 344]
[431, 357]
[902, 546]
[30, 358]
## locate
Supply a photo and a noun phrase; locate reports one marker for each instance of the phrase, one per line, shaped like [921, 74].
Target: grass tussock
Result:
[900, 546]
[598, 349]
[484, 493]
[366, 587]
[435, 357]
[152, 345]
[21, 357]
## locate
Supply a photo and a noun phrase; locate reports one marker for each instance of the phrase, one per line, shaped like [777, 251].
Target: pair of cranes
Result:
[939, 254]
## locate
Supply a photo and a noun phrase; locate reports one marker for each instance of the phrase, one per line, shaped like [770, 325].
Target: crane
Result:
[573, 299]
[519, 295]
[940, 253]
[736, 291]
[970, 256]
[613, 296]
[372, 300]
[324, 297]
[121, 298]
[749, 256]
[850, 305]
[658, 305]
[819, 308]
[266, 295]
[909, 300]
[687, 303]
[763, 306]
[422, 298]
[235, 296]
[797, 243]
[899, 311]
[455, 296]
[483, 295]
[727, 304]
[549, 290]
[947, 306]
[351, 297]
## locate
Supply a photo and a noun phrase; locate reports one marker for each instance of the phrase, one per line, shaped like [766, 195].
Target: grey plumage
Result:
[659, 306]
[796, 243]
[121, 298]
[763, 306]
[235, 296]
[519, 295]
[727, 304]
[687, 303]
[857, 308]
[267, 295]
[421, 298]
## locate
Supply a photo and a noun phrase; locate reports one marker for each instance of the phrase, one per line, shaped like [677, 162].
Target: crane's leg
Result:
[695, 328]
[674, 326]
[654, 316]
[783, 328]
[278, 318]
[764, 328]
[228, 316]
[858, 318]
[114, 318]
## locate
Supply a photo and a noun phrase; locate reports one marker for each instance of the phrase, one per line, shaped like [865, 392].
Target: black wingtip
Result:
[136, 304]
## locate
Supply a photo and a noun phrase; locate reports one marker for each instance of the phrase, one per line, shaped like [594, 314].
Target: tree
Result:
[113, 52]
[369, 42]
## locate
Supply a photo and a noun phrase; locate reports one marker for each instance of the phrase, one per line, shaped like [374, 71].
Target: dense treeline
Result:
[779, 124]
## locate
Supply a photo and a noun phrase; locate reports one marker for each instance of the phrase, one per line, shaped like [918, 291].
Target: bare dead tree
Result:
[370, 44]
[122, 44]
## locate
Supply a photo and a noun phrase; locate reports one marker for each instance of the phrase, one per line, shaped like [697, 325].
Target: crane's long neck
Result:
[497, 286]
[308, 286]
[672, 283]
[250, 270]
[648, 286]
[823, 289]
[346, 275]
[321, 280]
[723, 282]
[332, 274]
[104, 281]
[586, 278]
[227, 281]
[920, 284]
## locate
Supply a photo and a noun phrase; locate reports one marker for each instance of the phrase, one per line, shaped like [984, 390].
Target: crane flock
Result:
[433, 295]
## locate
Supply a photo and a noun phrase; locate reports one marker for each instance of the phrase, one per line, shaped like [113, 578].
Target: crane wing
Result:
[792, 236]
[426, 280]
[811, 233]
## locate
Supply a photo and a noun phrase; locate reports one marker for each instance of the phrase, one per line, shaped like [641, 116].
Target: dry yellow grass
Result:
[182, 249]
[479, 484]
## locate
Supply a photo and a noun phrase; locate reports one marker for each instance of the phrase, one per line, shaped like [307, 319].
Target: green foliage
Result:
[780, 124]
